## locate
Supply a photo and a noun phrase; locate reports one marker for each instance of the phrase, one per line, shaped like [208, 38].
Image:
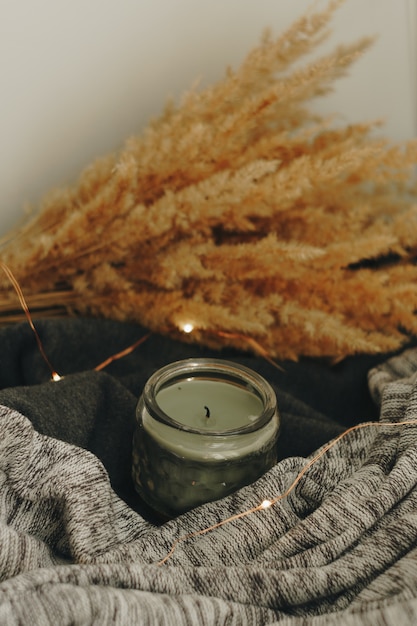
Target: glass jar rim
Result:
[216, 370]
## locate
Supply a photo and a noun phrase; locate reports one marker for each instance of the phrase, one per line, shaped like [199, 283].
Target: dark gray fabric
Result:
[76, 547]
[95, 410]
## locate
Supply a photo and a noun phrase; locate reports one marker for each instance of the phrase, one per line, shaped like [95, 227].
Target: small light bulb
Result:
[188, 328]
[266, 504]
[56, 376]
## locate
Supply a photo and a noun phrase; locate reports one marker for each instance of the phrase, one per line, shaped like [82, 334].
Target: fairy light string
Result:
[186, 328]
[122, 353]
[189, 328]
[269, 502]
[54, 374]
[256, 347]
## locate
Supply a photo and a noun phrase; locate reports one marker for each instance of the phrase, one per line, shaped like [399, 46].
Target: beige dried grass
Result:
[239, 211]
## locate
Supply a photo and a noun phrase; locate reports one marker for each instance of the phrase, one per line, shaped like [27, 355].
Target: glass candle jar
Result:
[205, 428]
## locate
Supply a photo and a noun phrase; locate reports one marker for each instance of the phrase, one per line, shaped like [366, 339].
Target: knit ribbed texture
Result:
[341, 549]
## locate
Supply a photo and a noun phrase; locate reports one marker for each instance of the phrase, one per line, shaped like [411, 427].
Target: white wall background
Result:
[77, 77]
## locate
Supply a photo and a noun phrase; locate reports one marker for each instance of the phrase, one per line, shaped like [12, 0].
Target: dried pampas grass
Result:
[240, 212]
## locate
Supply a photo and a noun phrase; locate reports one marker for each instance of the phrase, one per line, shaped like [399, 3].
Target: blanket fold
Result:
[78, 547]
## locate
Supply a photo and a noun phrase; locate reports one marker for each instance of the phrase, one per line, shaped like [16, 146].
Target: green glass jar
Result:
[205, 428]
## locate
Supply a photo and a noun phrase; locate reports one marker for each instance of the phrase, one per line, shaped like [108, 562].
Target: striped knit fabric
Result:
[340, 549]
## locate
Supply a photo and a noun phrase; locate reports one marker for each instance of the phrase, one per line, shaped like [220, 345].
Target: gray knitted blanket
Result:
[340, 549]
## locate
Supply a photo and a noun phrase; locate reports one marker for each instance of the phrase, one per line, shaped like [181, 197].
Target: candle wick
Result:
[207, 411]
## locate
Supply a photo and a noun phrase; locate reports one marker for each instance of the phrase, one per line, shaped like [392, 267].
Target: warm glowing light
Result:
[56, 376]
[188, 328]
[267, 503]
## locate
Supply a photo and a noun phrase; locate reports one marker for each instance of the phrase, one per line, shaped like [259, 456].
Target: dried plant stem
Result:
[241, 211]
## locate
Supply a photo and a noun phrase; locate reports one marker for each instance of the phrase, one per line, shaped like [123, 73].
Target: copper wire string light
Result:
[267, 503]
[122, 353]
[54, 374]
